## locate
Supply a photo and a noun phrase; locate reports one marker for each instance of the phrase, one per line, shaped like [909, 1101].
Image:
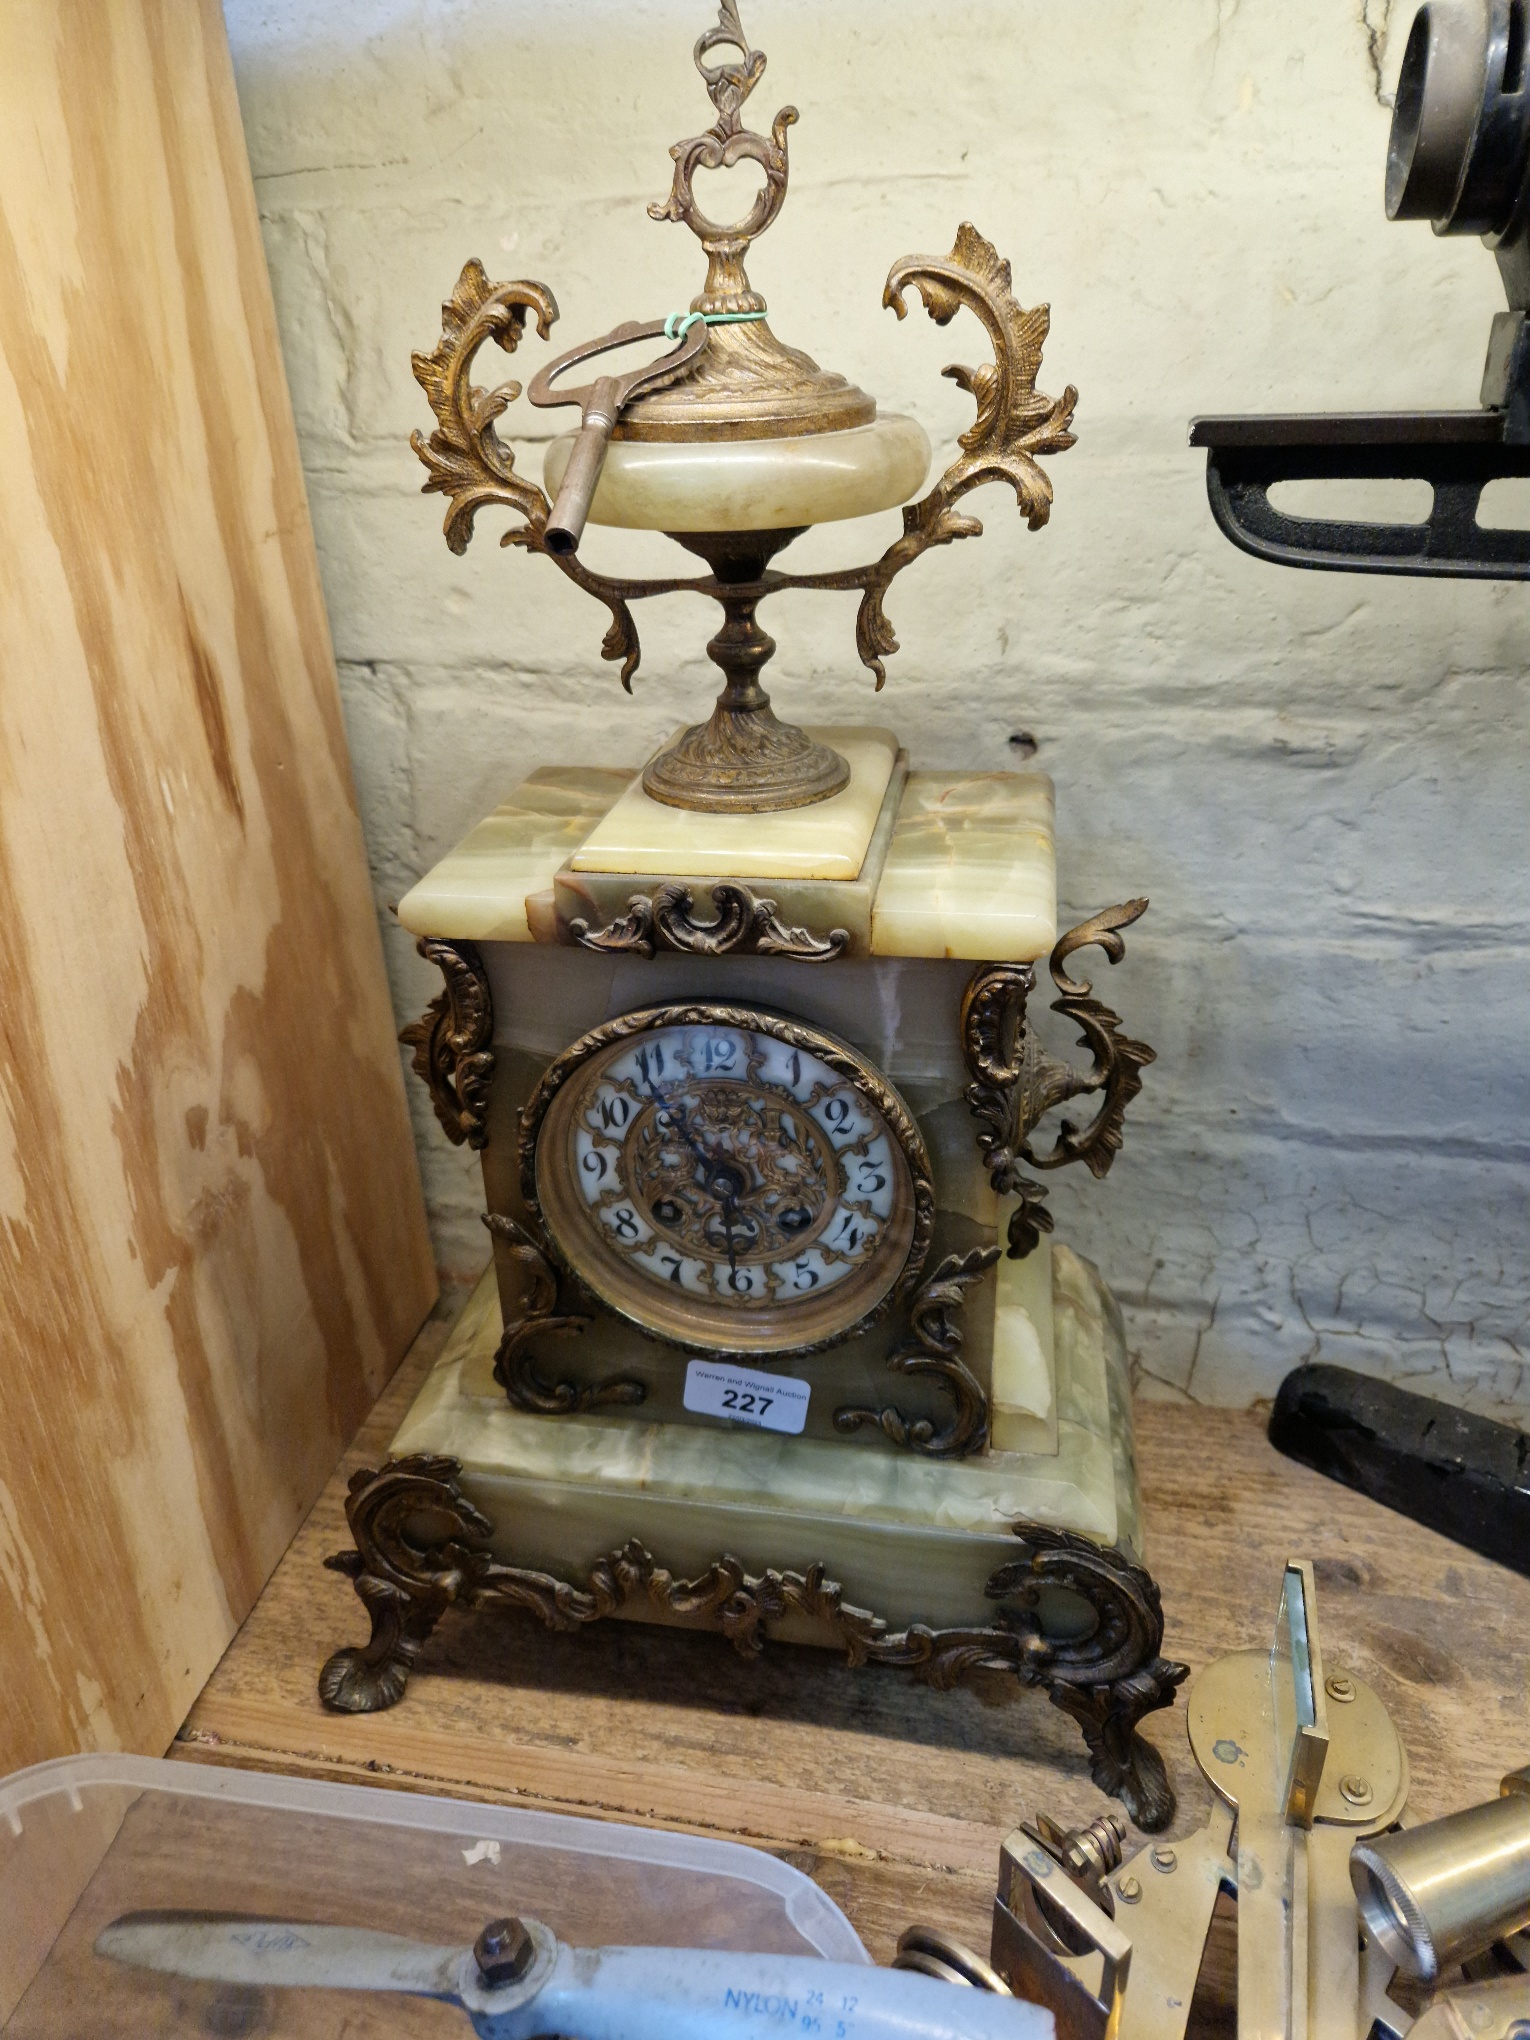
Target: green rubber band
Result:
[678, 324]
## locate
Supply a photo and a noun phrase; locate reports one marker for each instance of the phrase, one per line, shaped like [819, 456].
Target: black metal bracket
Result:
[1456, 452]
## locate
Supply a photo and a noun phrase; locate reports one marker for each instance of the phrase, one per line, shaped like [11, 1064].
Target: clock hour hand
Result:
[682, 1125]
[721, 1171]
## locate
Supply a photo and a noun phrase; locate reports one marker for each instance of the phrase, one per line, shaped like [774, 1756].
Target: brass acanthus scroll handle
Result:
[601, 403]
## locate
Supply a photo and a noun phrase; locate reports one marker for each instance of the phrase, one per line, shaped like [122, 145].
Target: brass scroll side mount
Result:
[1015, 425]
[1016, 1082]
[935, 1352]
[453, 1041]
[541, 1312]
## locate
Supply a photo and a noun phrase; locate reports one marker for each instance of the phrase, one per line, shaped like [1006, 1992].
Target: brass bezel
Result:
[690, 1326]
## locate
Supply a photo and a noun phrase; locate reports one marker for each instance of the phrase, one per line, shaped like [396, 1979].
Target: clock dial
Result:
[726, 1178]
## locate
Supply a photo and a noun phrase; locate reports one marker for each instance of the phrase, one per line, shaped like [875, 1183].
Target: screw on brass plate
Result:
[503, 1952]
[1339, 1687]
[1130, 1890]
[1164, 1859]
[1355, 1789]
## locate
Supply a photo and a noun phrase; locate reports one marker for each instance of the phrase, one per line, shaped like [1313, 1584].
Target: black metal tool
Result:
[1457, 1473]
[1459, 156]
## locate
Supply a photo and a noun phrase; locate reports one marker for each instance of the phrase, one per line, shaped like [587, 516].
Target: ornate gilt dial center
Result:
[732, 1181]
[725, 1167]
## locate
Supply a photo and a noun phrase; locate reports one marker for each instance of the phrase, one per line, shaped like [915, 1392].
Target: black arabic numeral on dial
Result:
[624, 1223]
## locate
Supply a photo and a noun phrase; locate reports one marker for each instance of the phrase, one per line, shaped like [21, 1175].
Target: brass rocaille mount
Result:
[747, 384]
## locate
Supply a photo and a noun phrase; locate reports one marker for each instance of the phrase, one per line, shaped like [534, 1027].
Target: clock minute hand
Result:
[711, 1160]
[720, 1168]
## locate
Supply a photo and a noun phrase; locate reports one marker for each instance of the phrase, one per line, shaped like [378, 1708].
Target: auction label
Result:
[776, 1402]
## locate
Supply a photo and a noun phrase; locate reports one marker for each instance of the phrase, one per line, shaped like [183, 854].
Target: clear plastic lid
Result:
[86, 1839]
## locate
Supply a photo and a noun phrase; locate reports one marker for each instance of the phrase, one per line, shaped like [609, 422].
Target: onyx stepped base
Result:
[1047, 1605]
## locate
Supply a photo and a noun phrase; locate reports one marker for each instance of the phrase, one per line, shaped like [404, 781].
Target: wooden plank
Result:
[212, 1245]
[892, 1796]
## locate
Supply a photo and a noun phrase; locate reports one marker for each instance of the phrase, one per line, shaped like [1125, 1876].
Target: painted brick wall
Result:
[1318, 778]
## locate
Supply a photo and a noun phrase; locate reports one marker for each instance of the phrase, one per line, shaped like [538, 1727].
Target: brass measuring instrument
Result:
[1338, 1903]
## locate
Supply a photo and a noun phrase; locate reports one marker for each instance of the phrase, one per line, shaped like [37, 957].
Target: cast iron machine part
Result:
[1458, 156]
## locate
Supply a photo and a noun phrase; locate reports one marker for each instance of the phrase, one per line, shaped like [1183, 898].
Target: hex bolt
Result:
[1339, 1686]
[1164, 1859]
[504, 1951]
[1355, 1789]
[1130, 1890]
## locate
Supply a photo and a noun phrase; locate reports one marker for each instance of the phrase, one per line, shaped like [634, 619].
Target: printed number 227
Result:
[746, 1402]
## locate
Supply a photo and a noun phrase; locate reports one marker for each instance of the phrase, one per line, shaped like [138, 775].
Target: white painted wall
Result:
[1318, 778]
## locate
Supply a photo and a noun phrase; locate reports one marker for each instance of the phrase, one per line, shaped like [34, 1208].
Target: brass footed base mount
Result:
[420, 1547]
[744, 760]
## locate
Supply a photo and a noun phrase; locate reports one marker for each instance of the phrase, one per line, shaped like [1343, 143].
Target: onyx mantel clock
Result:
[778, 1340]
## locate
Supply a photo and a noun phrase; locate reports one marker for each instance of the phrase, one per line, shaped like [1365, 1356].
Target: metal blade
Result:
[275, 1953]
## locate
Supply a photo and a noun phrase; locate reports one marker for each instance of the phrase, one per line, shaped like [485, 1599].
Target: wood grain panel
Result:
[212, 1245]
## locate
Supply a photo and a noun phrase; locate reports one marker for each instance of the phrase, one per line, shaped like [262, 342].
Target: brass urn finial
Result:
[746, 385]
[725, 143]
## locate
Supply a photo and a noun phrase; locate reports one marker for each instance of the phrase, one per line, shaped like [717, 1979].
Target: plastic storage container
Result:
[88, 1838]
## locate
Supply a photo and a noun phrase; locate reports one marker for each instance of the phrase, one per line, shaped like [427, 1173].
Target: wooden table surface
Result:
[893, 1797]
